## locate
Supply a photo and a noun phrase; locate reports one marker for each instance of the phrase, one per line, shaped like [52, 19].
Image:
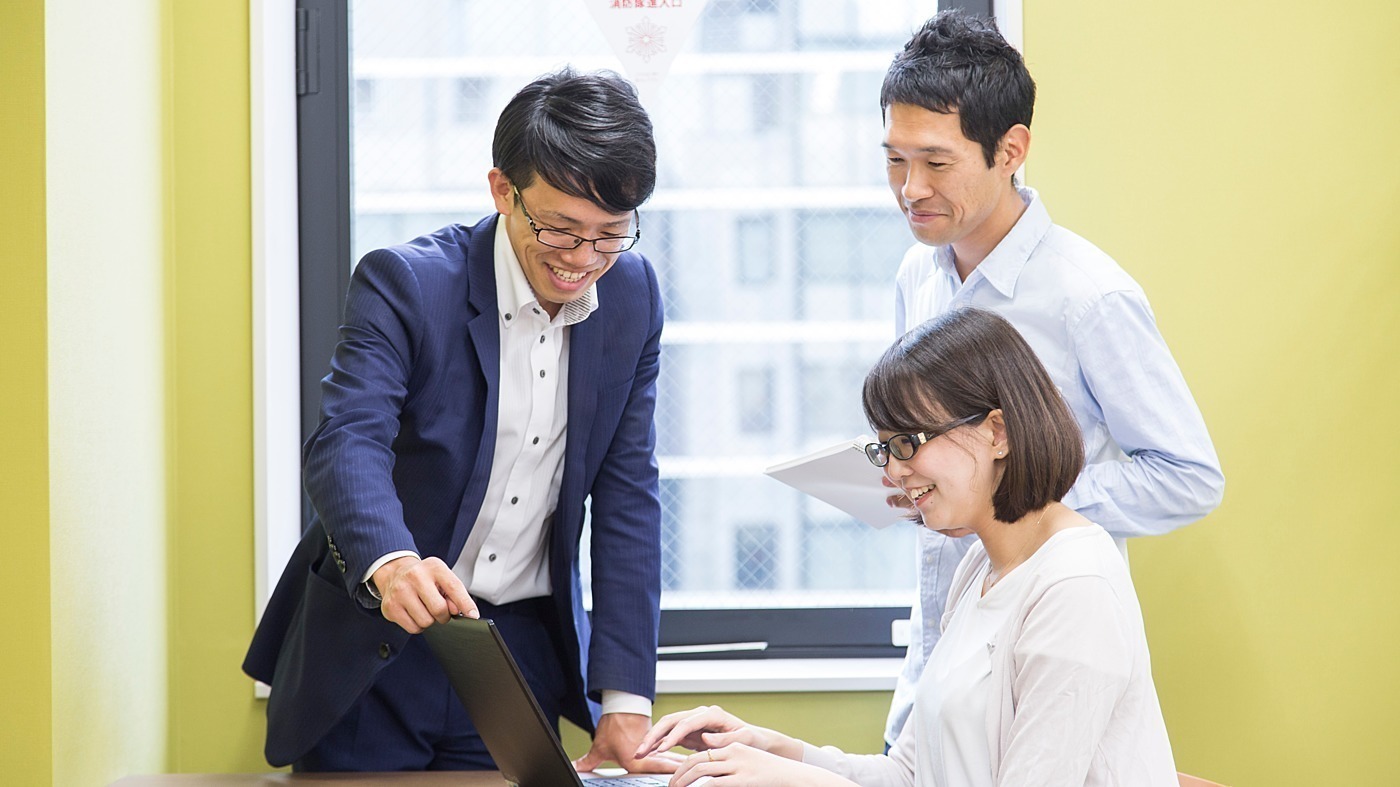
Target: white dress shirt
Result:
[506, 555]
[1150, 464]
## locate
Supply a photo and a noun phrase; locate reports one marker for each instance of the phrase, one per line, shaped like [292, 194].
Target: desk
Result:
[406, 779]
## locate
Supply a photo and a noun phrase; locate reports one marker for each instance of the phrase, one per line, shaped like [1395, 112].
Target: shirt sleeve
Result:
[623, 702]
[895, 769]
[373, 567]
[1173, 476]
[1070, 666]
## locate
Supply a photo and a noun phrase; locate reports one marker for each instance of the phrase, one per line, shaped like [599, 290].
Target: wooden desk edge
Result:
[406, 779]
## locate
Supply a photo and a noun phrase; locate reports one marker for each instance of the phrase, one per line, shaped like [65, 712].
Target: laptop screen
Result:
[489, 683]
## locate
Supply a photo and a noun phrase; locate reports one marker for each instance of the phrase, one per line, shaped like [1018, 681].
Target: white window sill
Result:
[761, 676]
[776, 675]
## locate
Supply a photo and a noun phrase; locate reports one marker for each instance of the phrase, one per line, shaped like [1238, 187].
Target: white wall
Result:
[107, 387]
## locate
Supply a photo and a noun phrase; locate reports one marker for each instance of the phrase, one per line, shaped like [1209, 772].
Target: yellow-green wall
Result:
[853, 720]
[26, 711]
[1240, 160]
[215, 725]
[1236, 158]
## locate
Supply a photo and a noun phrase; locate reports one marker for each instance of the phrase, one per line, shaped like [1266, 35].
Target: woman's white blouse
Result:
[1044, 681]
[953, 698]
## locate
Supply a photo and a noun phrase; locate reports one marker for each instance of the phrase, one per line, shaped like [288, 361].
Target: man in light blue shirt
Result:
[957, 105]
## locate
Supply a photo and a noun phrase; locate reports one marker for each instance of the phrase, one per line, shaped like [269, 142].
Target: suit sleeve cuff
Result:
[622, 702]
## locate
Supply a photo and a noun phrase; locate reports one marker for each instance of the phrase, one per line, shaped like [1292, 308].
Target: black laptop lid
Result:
[500, 703]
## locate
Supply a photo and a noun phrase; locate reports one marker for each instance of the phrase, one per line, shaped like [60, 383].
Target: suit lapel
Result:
[585, 344]
[484, 333]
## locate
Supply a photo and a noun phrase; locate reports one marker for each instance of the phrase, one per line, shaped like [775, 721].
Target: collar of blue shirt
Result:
[1003, 266]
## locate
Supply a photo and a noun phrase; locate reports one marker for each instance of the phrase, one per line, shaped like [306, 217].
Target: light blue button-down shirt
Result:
[1150, 464]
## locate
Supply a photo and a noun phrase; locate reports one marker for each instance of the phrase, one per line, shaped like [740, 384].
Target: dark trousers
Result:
[411, 720]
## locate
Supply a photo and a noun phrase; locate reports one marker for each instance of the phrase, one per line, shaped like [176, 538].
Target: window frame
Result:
[277, 387]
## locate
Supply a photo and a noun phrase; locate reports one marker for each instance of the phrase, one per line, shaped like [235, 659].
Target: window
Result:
[770, 168]
[754, 249]
[756, 558]
[470, 99]
[755, 400]
[364, 96]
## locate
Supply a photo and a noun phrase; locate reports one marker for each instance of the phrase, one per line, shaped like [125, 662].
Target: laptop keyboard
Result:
[629, 781]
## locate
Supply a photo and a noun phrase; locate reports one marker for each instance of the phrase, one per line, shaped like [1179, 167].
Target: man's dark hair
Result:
[585, 134]
[970, 362]
[960, 63]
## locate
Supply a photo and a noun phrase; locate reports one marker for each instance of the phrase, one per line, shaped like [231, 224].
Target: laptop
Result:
[495, 694]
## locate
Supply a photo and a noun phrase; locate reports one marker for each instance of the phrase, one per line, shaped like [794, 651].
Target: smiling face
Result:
[942, 182]
[557, 276]
[951, 478]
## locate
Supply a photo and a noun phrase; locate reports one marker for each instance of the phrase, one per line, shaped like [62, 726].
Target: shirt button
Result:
[383, 650]
[507, 318]
[491, 557]
[541, 340]
[536, 441]
[542, 373]
[514, 500]
[537, 311]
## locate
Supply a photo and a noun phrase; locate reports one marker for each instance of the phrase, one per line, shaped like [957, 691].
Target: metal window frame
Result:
[323, 181]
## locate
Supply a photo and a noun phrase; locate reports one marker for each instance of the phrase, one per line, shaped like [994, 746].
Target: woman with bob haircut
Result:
[1042, 675]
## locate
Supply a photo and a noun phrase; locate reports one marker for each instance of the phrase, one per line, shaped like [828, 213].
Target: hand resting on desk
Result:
[617, 740]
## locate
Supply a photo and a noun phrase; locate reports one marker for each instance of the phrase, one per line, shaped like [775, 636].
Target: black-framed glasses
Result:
[903, 446]
[559, 239]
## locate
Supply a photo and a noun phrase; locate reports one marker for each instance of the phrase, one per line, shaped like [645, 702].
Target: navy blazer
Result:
[401, 459]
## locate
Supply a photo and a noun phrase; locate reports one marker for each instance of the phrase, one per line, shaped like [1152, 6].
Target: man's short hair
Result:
[584, 134]
[960, 63]
[969, 362]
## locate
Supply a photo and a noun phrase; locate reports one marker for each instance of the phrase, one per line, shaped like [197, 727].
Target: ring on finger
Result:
[711, 754]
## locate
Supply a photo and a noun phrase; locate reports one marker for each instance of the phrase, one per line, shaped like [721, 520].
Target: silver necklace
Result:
[994, 576]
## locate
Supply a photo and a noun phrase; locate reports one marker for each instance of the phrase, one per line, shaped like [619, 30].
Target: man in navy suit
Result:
[489, 380]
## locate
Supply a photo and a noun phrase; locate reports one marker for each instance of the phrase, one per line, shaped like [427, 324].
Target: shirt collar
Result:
[1003, 266]
[514, 294]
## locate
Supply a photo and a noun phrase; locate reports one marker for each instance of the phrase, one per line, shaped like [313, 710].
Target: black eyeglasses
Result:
[559, 239]
[903, 446]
